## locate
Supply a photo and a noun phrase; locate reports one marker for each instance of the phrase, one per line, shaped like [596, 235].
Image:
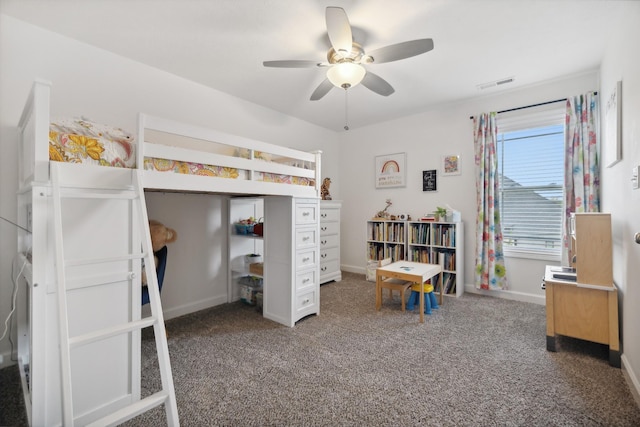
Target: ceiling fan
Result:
[346, 58]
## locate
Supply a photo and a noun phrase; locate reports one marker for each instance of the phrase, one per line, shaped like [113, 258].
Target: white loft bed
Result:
[236, 165]
[169, 156]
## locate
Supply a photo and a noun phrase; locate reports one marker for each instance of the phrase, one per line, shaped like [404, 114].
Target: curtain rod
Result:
[532, 105]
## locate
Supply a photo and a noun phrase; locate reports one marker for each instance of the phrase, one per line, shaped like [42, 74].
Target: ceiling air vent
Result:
[495, 83]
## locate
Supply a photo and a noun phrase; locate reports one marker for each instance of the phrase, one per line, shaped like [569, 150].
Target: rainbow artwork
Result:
[390, 170]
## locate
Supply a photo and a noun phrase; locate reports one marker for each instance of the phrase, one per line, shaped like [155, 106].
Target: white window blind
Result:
[531, 180]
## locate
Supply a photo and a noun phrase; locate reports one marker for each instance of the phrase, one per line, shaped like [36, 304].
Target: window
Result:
[531, 181]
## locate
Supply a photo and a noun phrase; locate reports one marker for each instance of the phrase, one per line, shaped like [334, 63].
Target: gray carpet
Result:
[477, 361]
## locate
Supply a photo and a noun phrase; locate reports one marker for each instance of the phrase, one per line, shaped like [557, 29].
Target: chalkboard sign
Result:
[429, 180]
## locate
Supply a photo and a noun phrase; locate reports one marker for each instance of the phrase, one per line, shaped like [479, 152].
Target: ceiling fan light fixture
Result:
[346, 74]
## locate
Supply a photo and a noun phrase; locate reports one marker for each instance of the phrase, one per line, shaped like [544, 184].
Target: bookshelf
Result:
[439, 243]
[386, 239]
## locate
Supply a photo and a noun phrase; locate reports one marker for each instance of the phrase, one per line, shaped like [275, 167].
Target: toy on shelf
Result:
[383, 214]
[324, 189]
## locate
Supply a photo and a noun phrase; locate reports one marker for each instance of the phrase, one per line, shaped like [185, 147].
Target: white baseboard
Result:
[510, 295]
[632, 379]
[353, 269]
[181, 310]
[5, 360]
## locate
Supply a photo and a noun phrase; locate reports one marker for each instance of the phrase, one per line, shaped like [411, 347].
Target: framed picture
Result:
[451, 165]
[391, 170]
[429, 180]
[613, 128]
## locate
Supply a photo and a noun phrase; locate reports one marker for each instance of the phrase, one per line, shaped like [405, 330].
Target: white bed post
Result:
[318, 154]
[34, 127]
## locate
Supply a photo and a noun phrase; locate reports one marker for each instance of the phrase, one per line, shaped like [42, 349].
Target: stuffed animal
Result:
[160, 236]
[324, 189]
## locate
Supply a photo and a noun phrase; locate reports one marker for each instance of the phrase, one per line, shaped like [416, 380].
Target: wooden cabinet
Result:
[584, 303]
[291, 258]
[588, 312]
[439, 243]
[330, 241]
[592, 248]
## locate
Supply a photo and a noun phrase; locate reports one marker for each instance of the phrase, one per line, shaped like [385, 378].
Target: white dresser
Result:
[330, 241]
[292, 258]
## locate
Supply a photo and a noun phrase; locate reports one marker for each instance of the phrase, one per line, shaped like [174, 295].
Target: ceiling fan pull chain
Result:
[346, 109]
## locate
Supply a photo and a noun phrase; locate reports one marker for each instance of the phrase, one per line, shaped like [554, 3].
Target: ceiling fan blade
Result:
[291, 64]
[322, 90]
[377, 84]
[339, 30]
[402, 50]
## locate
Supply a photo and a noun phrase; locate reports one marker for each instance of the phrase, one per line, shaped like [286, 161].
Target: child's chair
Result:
[162, 265]
[394, 284]
[430, 300]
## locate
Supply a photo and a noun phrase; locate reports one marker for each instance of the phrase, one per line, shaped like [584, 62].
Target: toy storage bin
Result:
[242, 228]
[248, 294]
[252, 258]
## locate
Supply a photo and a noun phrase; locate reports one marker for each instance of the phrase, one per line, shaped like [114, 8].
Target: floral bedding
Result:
[188, 168]
[79, 140]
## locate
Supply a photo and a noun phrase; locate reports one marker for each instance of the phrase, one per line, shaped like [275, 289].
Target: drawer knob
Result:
[305, 213]
[323, 228]
[305, 259]
[305, 238]
[306, 280]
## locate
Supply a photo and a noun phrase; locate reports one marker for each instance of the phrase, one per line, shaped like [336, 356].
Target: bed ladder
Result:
[166, 395]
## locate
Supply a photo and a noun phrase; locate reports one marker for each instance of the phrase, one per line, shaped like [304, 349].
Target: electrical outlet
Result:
[635, 175]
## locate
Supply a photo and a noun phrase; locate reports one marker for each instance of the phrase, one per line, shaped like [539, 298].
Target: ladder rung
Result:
[76, 194]
[98, 280]
[131, 411]
[87, 261]
[113, 331]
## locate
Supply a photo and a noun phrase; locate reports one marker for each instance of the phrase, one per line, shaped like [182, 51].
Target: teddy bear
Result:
[160, 236]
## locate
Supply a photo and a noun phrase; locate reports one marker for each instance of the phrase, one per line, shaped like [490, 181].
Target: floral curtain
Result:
[490, 270]
[582, 176]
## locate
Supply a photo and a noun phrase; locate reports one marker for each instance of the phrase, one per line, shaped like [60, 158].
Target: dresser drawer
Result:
[306, 237]
[305, 280]
[329, 228]
[305, 301]
[329, 241]
[330, 215]
[305, 259]
[329, 253]
[306, 214]
[329, 266]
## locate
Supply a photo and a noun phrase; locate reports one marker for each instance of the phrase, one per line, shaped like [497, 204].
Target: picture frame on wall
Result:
[613, 128]
[430, 180]
[391, 170]
[451, 165]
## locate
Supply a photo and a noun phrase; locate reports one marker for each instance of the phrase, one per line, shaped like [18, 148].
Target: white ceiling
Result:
[222, 43]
